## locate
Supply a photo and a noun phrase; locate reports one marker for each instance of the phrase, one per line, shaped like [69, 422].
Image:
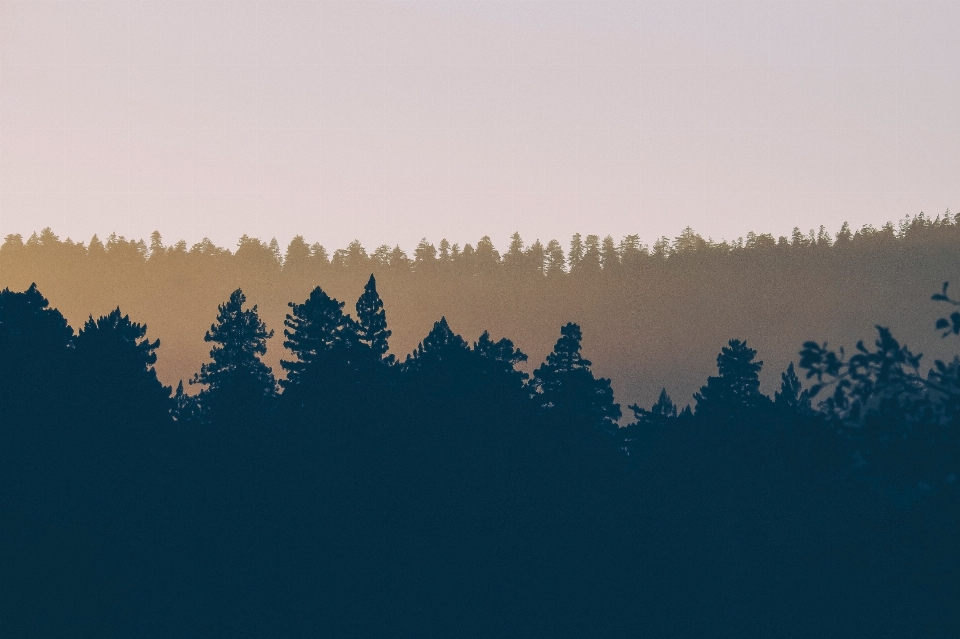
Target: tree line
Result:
[451, 492]
[639, 309]
[585, 255]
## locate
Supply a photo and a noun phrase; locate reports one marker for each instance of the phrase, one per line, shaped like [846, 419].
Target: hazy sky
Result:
[388, 121]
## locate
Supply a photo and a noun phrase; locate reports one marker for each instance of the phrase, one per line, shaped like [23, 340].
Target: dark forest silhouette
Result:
[652, 316]
[453, 494]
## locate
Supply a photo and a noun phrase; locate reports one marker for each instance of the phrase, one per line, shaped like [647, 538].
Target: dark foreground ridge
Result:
[451, 494]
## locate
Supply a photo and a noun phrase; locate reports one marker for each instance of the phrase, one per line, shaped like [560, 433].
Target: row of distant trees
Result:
[584, 255]
[366, 495]
[878, 396]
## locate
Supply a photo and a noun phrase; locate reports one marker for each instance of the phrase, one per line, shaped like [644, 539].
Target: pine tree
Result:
[372, 330]
[791, 396]
[297, 256]
[535, 257]
[565, 384]
[575, 258]
[555, 259]
[314, 328]
[34, 345]
[236, 378]
[116, 376]
[737, 387]
[156, 245]
[184, 406]
[609, 255]
[440, 346]
[591, 256]
[500, 358]
[514, 257]
[662, 410]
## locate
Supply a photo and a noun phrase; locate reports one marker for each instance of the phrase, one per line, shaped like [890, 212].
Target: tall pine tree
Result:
[372, 330]
[565, 385]
[236, 379]
[316, 330]
[737, 387]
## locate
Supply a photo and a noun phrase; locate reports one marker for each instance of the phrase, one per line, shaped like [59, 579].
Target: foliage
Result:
[236, 378]
[565, 385]
[371, 323]
[453, 493]
[737, 387]
[315, 328]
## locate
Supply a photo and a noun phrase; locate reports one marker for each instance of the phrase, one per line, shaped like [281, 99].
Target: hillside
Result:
[652, 317]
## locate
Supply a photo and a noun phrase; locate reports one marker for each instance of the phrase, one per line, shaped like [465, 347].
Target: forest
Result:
[641, 307]
[463, 487]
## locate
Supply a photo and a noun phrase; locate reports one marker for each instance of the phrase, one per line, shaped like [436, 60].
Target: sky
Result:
[391, 121]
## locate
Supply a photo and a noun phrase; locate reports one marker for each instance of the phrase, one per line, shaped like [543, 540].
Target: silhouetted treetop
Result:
[737, 387]
[28, 322]
[792, 396]
[565, 384]
[440, 345]
[239, 339]
[371, 324]
[116, 371]
[34, 340]
[116, 331]
[315, 327]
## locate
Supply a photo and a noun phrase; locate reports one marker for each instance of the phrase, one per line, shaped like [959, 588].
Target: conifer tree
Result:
[314, 328]
[371, 324]
[791, 395]
[236, 376]
[535, 257]
[184, 406]
[514, 257]
[565, 384]
[440, 345]
[662, 410]
[737, 387]
[575, 258]
[297, 256]
[609, 255]
[156, 245]
[34, 343]
[500, 358]
[591, 256]
[555, 259]
[116, 373]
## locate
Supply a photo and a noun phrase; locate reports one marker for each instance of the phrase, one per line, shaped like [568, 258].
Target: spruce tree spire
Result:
[372, 328]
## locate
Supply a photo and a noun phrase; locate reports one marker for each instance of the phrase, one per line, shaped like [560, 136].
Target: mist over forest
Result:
[378, 471]
[653, 315]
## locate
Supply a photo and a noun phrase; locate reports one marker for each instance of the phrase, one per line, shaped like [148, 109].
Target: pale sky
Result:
[389, 121]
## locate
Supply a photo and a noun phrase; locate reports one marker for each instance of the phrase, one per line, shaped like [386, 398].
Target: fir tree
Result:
[737, 387]
[500, 358]
[314, 328]
[565, 384]
[115, 378]
[662, 410]
[591, 256]
[236, 377]
[609, 255]
[555, 260]
[371, 325]
[439, 344]
[791, 395]
[34, 344]
[575, 258]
